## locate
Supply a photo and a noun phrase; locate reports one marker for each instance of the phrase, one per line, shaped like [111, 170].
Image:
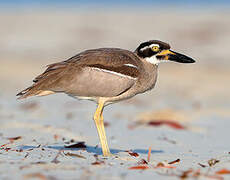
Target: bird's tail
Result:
[43, 82]
[33, 91]
[26, 93]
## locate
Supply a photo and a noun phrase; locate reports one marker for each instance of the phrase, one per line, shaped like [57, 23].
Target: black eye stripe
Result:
[148, 52]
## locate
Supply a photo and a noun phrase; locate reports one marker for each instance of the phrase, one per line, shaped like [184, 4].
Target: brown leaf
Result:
[75, 155]
[77, 145]
[19, 150]
[171, 124]
[106, 124]
[139, 167]
[223, 171]
[12, 139]
[133, 153]
[185, 174]
[98, 162]
[202, 165]
[39, 162]
[162, 165]
[35, 175]
[175, 161]
[56, 137]
[142, 161]
[196, 173]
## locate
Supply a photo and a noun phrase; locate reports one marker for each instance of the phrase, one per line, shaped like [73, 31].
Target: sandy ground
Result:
[185, 117]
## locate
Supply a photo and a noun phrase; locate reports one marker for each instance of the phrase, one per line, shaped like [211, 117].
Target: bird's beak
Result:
[174, 56]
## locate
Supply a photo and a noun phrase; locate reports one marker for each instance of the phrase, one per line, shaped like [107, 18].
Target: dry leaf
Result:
[133, 153]
[162, 165]
[139, 167]
[98, 162]
[106, 124]
[172, 124]
[35, 175]
[75, 155]
[175, 161]
[12, 139]
[185, 174]
[223, 171]
[56, 137]
[202, 165]
[142, 161]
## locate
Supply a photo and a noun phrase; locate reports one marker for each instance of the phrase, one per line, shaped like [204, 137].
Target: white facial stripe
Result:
[154, 45]
[142, 49]
[150, 46]
[131, 65]
[113, 72]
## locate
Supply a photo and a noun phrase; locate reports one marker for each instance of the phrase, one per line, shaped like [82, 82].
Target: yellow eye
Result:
[155, 48]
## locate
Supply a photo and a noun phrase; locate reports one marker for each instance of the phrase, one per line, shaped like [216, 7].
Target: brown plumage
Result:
[58, 76]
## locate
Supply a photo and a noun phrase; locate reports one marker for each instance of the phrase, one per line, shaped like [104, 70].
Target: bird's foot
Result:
[108, 154]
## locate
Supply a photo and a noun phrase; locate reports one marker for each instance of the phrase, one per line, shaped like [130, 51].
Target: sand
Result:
[185, 117]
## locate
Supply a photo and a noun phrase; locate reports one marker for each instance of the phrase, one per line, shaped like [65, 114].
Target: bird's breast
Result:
[148, 78]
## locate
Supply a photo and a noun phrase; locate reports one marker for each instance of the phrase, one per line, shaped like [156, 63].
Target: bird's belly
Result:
[91, 84]
[95, 99]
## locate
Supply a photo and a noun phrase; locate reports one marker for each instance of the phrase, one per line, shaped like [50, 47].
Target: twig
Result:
[149, 154]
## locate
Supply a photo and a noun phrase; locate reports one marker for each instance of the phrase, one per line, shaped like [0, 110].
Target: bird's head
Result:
[155, 51]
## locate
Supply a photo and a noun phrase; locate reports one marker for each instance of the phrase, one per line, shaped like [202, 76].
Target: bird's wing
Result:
[58, 75]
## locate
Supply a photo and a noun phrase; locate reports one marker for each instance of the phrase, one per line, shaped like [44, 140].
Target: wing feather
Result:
[57, 75]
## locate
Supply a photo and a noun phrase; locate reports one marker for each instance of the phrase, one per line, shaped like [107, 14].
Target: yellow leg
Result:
[104, 135]
[98, 119]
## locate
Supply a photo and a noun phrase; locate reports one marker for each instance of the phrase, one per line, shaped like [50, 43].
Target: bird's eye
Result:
[155, 48]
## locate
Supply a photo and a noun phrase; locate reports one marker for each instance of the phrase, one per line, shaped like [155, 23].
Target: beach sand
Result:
[185, 117]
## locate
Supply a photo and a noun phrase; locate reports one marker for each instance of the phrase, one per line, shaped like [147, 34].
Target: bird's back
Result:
[104, 72]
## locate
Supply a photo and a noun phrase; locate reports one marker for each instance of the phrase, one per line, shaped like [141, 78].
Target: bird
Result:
[105, 76]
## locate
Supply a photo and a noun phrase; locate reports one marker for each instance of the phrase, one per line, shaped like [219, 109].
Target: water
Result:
[117, 3]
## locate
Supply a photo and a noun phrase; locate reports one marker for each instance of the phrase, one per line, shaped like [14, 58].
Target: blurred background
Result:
[36, 33]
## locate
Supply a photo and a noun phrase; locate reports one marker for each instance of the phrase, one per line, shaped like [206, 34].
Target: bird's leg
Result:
[98, 119]
[106, 147]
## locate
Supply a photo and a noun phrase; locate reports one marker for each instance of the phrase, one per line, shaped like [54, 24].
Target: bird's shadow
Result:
[91, 149]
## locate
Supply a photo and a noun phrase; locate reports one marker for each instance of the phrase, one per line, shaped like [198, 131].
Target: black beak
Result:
[177, 57]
